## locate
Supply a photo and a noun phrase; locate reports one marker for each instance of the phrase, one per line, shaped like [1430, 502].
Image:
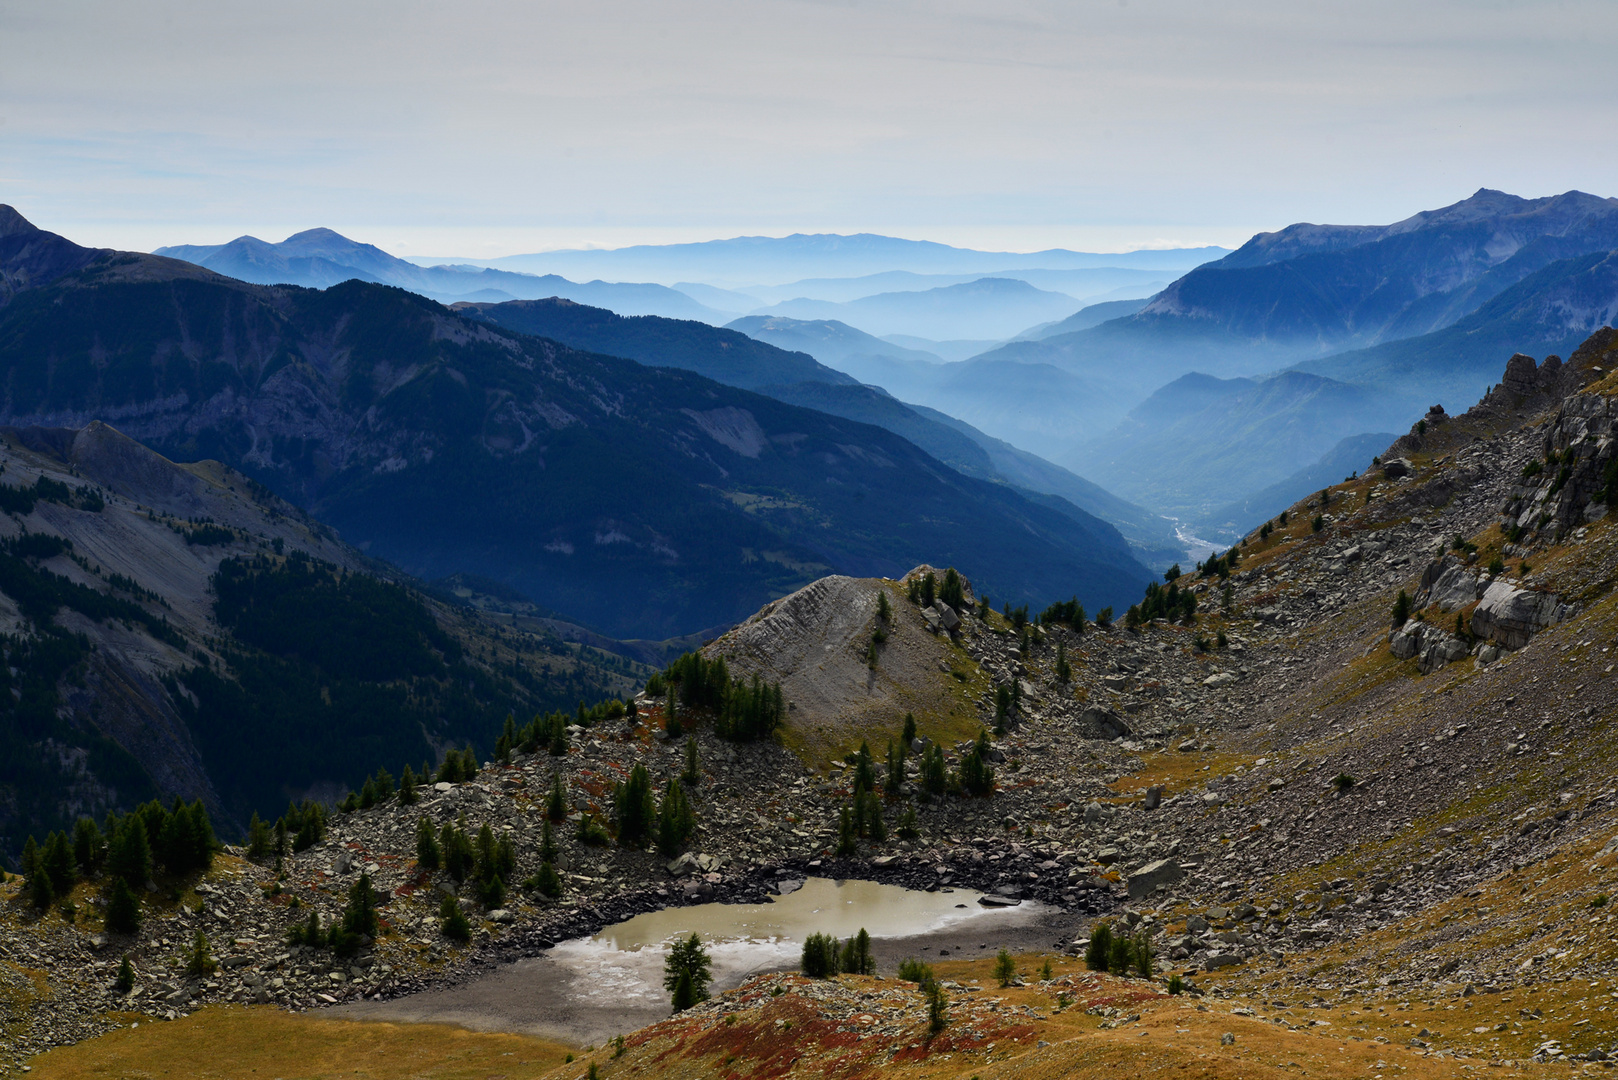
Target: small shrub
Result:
[1047, 972]
[1343, 781]
[1005, 968]
[937, 1008]
[1319, 523]
[456, 926]
[1599, 901]
[1098, 954]
[1497, 566]
[199, 962]
[912, 970]
[1176, 985]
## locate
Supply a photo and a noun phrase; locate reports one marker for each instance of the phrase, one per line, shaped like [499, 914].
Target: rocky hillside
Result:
[1390, 838]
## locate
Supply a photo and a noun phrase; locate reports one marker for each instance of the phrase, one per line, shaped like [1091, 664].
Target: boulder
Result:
[685, 864]
[1153, 874]
[1454, 586]
[1220, 960]
[947, 616]
[1510, 616]
[1098, 723]
[1154, 797]
[1398, 467]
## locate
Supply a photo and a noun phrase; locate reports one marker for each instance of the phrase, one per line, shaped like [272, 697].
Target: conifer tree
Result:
[686, 973]
[129, 856]
[89, 847]
[556, 803]
[547, 842]
[635, 808]
[675, 820]
[692, 773]
[123, 907]
[429, 856]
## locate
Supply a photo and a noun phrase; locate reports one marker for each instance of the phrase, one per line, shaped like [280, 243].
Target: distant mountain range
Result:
[993, 308]
[1084, 284]
[752, 260]
[735, 359]
[1399, 316]
[319, 258]
[645, 501]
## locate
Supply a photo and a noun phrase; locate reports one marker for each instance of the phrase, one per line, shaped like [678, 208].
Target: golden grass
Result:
[261, 1043]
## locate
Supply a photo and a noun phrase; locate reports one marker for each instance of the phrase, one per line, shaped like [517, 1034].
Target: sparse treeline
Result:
[743, 711]
[127, 851]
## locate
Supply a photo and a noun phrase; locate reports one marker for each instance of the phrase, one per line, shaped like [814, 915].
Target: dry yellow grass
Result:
[261, 1043]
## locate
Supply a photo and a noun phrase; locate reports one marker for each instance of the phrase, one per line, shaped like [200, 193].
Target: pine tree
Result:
[260, 839]
[1098, 954]
[129, 856]
[1005, 968]
[675, 820]
[864, 769]
[547, 843]
[687, 973]
[1064, 670]
[847, 837]
[820, 958]
[89, 848]
[556, 804]
[635, 808]
[895, 768]
[907, 825]
[937, 1008]
[692, 773]
[407, 787]
[37, 880]
[909, 735]
[125, 982]
[977, 777]
[199, 962]
[456, 926]
[429, 856]
[671, 717]
[123, 907]
[547, 882]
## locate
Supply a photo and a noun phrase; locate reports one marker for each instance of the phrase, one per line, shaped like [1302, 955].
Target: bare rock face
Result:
[1431, 645]
[1448, 583]
[1510, 616]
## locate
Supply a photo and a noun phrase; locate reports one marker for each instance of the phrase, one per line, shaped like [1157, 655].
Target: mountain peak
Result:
[14, 224]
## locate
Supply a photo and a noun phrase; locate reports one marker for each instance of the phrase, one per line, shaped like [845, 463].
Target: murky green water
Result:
[624, 963]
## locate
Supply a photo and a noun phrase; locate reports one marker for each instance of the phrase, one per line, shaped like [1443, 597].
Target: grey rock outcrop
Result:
[1449, 584]
[1430, 645]
[1510, 616]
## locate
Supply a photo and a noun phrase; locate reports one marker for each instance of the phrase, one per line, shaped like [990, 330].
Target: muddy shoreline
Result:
[515, 985]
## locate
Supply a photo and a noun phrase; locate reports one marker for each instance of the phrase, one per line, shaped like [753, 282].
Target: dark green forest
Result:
[328, 674]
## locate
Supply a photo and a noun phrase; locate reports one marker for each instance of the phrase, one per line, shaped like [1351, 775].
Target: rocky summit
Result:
[1349, 782]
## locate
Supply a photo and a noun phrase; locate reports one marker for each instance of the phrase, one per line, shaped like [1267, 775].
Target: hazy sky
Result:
[488, 128]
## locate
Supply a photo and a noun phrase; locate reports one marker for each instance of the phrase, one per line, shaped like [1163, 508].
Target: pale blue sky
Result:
[487, 128]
